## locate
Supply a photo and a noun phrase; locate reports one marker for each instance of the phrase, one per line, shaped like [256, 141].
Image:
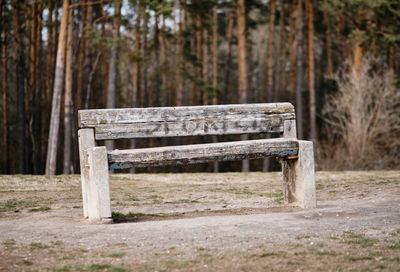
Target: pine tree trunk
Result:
[68, 96]
[357, 55]
[311, 69]
[205, 65]
[155, 97]
[21, 166]
[196, 96]
[80, 61]
[282, 48]
[228, 52]
[242, 64]
[51, 160]
[39, 96]
[163, 58]
[4, 75]
[143, 65]
[300, 72]
[113, 66]
[214, 54]
[104, 52]
[328, 44]
[87, 64]
[135, 73]
[293, 52]
[270, 50]
[180, 58]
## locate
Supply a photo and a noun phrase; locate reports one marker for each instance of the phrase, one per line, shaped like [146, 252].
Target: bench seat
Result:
[199, 153]
[296, 156]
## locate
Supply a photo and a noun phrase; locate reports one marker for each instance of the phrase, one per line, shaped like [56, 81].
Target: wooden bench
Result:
[108, 124]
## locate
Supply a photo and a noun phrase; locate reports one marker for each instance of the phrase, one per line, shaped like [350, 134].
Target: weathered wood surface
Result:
[185, 121]
[189, 154]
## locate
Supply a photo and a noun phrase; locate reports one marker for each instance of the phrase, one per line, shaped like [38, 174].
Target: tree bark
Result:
[21, 166]
[214, 54]
[228, 52]
[179, 57]
[143, 64]
[293, 52]
[300, 72]
[68, 96]
[242, 65]
[4, 75]
[113, 66]
[163, 58]
[328, 44]
[357, 55]
[282, 48]
[51, 160]
[87, 64]
[311, 69]
[205, 65]
[270, 50]
[80, 61]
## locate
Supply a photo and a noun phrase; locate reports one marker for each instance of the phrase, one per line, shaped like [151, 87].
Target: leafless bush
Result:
[362, 120]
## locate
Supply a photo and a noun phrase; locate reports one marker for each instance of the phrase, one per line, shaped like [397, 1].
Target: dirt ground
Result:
[202, 222]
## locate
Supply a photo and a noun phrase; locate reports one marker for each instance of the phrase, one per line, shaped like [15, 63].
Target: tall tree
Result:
[17, 6]
[163, 59]
[68, 95]
[4, 75]
[311, 69]
[228, 52]
[327, 23]
[205, 63]
[179, 52]
[143, 63]
[214, 53]
[242, 64]
[87, 63]
[51, 160]
[270, 50]
[113, 65]
[281, 85]
[300, 71]
[293, 51]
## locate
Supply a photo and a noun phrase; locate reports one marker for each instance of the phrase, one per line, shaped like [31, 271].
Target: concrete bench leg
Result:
[98, 188]
[299, 178]
[86, 141]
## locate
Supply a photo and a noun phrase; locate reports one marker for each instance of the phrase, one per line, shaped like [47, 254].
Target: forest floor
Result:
[202, 222]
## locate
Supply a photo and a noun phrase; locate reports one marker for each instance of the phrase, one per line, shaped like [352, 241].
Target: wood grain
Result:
[190, 154]
[185, 121]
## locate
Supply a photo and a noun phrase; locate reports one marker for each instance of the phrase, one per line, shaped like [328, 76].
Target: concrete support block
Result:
[98, 188]
[299, 178]
[86, 141]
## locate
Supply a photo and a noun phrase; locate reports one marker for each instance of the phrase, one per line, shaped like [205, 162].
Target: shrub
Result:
[362, 119]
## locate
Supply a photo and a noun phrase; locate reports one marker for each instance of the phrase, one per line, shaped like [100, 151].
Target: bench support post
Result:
[98, 188]
[86, 141]
[299, 178]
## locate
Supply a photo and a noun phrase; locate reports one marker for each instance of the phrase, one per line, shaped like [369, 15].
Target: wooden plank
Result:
[190, 154]
[185, 121]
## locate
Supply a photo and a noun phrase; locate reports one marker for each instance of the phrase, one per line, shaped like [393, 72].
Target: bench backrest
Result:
[130, 123]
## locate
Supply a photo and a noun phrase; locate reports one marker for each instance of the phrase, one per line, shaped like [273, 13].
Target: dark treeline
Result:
[337, 61]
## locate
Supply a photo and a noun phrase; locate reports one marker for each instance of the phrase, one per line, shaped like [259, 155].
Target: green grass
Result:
[395, 246]
[15, 205]
[90, 268]
[9, 244]
[352, 238]
[40, 209]
[117, 255]
[34, 246]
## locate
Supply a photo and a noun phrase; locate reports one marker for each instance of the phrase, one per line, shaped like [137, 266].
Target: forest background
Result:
[337, 61]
